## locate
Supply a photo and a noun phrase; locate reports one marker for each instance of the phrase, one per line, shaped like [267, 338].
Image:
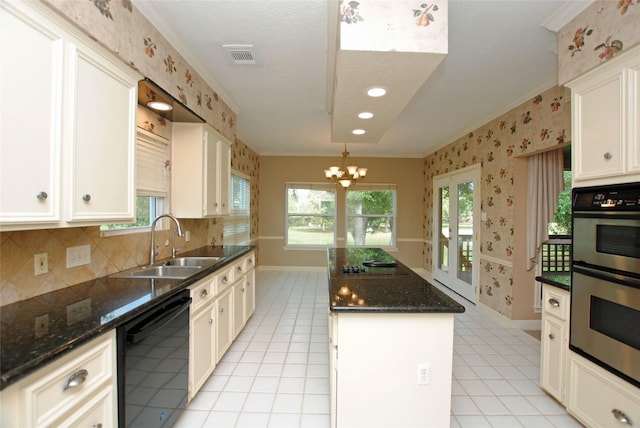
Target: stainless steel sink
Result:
[178, 268]
[192, 261]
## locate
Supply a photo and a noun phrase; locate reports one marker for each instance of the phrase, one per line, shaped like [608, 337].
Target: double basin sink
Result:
[177, 268]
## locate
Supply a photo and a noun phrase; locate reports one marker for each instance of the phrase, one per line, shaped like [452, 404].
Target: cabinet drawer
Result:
[555, 302]
[224, 278]
[600, 399]
[98, 412]
[202, 292]
[54, 391]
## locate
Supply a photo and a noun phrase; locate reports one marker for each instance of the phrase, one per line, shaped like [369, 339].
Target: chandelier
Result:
[345, 174]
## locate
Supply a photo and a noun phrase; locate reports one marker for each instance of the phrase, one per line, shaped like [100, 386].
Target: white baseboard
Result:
[509, 323]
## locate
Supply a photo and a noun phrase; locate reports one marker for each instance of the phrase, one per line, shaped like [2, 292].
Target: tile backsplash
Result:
[109, 254]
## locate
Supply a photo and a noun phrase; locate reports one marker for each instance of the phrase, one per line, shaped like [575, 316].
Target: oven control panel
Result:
[624, 198]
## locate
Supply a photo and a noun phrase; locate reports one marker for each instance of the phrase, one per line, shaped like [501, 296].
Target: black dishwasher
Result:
[153, 364]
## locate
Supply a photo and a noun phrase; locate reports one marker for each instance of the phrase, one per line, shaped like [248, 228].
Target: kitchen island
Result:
[391, 343]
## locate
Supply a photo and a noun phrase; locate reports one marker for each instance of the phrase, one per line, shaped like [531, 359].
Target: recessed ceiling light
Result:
[365, 115]
[158, 105]
[358, 131]
[376, 91]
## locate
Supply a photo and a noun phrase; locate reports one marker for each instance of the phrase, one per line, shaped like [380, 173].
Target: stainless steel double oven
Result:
[605, 288]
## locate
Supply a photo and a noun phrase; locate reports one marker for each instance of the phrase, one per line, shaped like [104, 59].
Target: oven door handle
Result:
[607, 276]
[166, 314]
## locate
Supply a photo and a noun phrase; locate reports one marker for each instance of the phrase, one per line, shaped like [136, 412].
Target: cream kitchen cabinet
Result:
[224, 322]
[78, 389]
[597, 398]
[243, 292]
[86, 122]
[606, 123]
[554, 341]
[202, 334]
[200, 171]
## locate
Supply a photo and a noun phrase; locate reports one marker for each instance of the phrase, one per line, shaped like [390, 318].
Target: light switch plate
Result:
[78, 256]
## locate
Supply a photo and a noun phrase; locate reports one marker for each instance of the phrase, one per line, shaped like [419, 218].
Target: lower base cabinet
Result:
[597, 398]
[224, 323]
[79, 389]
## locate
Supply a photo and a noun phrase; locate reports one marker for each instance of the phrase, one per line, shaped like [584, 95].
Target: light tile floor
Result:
[276, 373]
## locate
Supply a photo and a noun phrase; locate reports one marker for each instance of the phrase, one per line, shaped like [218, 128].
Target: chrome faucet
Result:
[152, 258]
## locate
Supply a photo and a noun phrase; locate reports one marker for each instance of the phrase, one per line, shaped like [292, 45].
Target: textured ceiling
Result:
[499, 56]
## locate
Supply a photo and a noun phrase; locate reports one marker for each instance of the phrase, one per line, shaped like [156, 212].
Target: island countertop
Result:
[392, 289]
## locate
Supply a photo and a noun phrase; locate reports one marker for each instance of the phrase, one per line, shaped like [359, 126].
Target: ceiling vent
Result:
[241, 54]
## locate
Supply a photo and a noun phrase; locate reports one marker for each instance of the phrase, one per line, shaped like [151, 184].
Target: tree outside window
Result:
[371, 218]
[310, 216]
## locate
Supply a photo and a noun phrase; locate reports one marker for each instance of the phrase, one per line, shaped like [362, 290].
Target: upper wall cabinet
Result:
[200, 171]
[67, 125]
[605, 122]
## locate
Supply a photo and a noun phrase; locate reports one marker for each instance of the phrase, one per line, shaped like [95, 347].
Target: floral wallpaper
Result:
[600, 32]
[540, 123]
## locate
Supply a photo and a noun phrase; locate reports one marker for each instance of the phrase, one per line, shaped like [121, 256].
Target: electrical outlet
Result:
[424, 374]
[187, 236]
[40, 263]
[78, 256]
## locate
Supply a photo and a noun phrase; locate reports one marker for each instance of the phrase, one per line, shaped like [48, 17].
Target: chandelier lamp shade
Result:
[346, 174]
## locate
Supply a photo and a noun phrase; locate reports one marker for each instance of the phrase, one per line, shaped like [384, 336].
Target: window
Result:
[152, 181]
[237, 226]
[311, 215]
[371, 216]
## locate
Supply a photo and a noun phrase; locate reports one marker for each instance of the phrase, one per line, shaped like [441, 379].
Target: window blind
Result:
[237, 229]
[152, 178]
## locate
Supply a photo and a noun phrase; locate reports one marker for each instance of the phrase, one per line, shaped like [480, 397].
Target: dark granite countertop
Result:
[76, 314]
[560, 280]
[381, 289]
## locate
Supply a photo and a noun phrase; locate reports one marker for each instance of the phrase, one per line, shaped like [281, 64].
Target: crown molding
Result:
[565, 14]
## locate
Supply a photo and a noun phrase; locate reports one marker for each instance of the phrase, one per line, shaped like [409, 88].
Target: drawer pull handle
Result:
[225, 279]
[552, 336]
[621, 417]
[204, 293]
[554, 303]
[42, 196]
[607, 155]
[76, 379]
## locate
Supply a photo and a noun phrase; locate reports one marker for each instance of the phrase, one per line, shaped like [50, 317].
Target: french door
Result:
[456, 222]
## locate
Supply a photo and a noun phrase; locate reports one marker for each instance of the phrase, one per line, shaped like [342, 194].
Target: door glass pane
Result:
[465, 231]
[443, 236]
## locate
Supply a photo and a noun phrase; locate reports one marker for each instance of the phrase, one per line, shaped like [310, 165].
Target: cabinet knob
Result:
[554, 302]
[621, 417]
[225, 279]
[86, 197]
[76, 379]
[607, 155]
[210, 320]
[242, 289]
[552, 336]
[239, 268]
[97, 426]
[42, 196]
[221, 309]
[204, 293]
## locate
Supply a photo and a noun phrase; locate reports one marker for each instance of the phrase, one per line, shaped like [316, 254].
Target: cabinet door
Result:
[633, 126]
[31, 69]
[224, 177]
[202, 344]
[598, 112]
[224, 326]
[249, 294]
[553, 352]
[210, 184]
[101, 128]
[238, 307]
